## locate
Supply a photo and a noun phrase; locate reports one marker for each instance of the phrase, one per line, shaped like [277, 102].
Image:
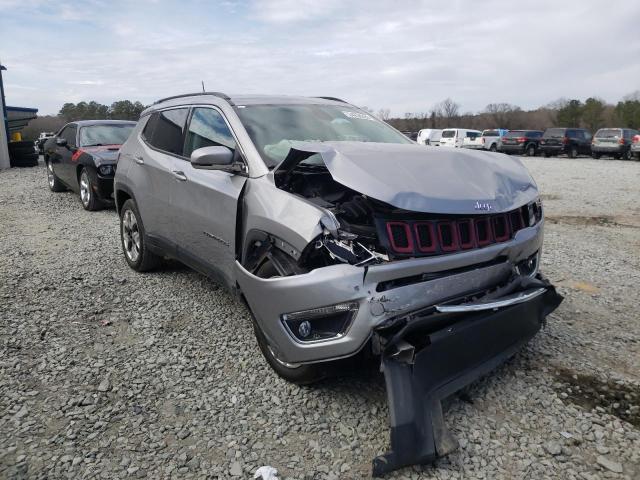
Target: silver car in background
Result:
[344, 238]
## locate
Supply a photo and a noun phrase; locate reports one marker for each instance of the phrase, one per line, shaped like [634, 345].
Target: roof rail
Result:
[216, 94]
[333, 98]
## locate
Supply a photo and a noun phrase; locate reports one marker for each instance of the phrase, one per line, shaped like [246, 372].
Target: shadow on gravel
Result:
[616, 398]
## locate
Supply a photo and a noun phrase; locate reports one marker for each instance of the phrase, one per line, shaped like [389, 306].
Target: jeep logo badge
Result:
[487, 207]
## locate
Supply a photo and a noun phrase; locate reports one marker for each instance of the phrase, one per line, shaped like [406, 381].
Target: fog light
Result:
[105, 169]
[320, 324]
[304, 329]
[529, 267]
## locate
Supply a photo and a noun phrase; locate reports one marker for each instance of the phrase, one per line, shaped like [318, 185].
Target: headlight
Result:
[534, 212]
[105, 169]
[320, 324]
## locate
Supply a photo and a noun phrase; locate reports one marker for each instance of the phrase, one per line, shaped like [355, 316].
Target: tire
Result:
[638, 156]
[55, 185]
[596, 156]
[616, 156]
[531, 151]
[493, 148]
[134, 247]
[279, 265]
[88, 182]
[573, 152]
[627, 155]
[20, 151]
[547, 155]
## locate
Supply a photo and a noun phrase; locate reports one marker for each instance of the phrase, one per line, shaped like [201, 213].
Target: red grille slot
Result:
[448, 236]
[483, 231]
[517, 223]
[466, 234]
[500, 226]
[425, 237]
[400, 237]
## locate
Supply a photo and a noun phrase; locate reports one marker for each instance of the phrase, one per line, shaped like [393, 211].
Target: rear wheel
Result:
[596, 155]
[628, 155]
[280, 265]
[493, 148]
[531, 151]
[547, 154]
[573, 152]
[54, 182]
[616, 156]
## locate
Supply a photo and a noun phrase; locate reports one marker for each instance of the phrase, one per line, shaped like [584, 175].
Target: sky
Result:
[402, 55]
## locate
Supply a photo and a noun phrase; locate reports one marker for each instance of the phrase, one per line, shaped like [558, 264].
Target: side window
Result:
[587, 135]
[164, 130]
[69, 133]
[207, 128]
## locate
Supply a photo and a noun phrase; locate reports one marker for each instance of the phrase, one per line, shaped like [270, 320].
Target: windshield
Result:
[272, 128]
[105, 134]
[609, 133]
[554, 133]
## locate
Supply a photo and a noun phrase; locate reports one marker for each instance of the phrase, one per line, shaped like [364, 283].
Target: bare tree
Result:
[384, 114]
[447, 110]
[504, 115]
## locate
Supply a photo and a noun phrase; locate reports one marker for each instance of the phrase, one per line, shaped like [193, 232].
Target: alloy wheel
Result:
[50, 175]
[131, 236]
[85, 188]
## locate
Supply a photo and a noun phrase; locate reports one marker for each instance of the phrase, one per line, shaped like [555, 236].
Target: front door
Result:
[205, 202]
[63, 165]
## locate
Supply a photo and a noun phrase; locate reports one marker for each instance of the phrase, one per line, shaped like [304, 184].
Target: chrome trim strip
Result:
[509, 300]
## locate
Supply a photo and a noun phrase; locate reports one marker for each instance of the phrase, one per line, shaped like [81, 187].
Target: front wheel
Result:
[531, 151]
[279, 265]
[88, 187]
[134, 245]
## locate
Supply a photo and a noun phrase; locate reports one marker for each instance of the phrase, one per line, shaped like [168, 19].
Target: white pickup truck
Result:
[488, 140]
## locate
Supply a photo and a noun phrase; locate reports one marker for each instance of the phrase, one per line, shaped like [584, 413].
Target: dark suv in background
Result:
[522, 141]
[615, 142]
[569, 141]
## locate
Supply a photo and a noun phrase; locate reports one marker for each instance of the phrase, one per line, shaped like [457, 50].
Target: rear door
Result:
[152, 172]
[205, 202]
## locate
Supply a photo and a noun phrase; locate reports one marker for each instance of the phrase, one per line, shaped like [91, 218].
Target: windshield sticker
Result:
[361, 116]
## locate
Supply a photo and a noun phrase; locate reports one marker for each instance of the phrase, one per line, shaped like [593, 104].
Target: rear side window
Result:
[554, 133]
[514, 134]
[207, 128]
[69, 133]
[165, 129]
[448, 133]
[491, 133]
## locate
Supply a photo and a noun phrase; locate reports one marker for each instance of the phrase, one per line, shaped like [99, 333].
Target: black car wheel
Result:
[628, 155]
[493, 148]
[55, 185]
[279, 265]
[573, 152]
[616, 156]
[547, 154]
[596, 155]
[88, 186]
[133, 240]
[531, 151]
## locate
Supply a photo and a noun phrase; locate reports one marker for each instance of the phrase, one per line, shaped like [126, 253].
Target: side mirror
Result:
[216, 158]
[61, 142]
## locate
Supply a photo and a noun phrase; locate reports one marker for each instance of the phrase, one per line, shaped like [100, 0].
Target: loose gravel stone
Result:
[107, 373]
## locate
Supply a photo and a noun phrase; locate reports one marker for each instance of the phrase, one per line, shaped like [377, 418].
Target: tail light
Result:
[565, 140]
[636, 139]
[482, 139]
[522, 139]
[400, 237]
[621, 141]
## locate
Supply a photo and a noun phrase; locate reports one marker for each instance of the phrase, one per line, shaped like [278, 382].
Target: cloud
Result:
[405, 55]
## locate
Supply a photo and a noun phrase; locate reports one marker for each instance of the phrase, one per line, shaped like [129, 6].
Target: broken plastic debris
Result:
[266, 473]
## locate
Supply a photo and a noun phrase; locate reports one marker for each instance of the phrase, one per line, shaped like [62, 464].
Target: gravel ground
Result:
[106, 373]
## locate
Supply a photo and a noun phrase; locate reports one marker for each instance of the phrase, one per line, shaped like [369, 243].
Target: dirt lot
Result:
[106, 373]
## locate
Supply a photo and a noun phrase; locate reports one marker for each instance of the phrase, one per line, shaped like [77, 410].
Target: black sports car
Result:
[82, 157]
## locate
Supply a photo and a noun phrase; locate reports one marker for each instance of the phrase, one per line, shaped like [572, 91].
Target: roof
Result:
[19, 117]
[217, 98]
[88, 123]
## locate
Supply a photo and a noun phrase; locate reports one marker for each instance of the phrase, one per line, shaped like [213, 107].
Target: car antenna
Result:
[203, 90]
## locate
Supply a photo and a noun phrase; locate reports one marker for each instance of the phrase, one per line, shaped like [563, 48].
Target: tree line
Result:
[70, 112]
[593, 113]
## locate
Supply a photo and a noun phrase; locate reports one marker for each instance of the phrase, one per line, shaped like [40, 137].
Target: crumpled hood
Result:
[423, 179]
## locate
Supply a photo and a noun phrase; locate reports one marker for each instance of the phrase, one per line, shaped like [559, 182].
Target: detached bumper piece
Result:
[430, 354]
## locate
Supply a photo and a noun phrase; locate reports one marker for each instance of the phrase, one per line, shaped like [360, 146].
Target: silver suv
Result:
[343, 236]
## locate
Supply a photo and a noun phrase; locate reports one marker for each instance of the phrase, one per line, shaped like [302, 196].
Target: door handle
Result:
[179, 175]
[139, 160]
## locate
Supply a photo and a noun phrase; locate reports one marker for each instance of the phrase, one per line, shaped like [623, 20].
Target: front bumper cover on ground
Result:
[430, 354]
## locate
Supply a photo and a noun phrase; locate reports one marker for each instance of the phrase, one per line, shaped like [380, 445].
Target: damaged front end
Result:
[429, 354]
[431, 262]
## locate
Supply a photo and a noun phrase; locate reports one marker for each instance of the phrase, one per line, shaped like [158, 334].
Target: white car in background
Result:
[489, 140]
[429, 136]
[455, 137]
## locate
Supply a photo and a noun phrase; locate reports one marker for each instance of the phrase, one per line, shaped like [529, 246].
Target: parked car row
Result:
[619, 143]
[357, 243]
